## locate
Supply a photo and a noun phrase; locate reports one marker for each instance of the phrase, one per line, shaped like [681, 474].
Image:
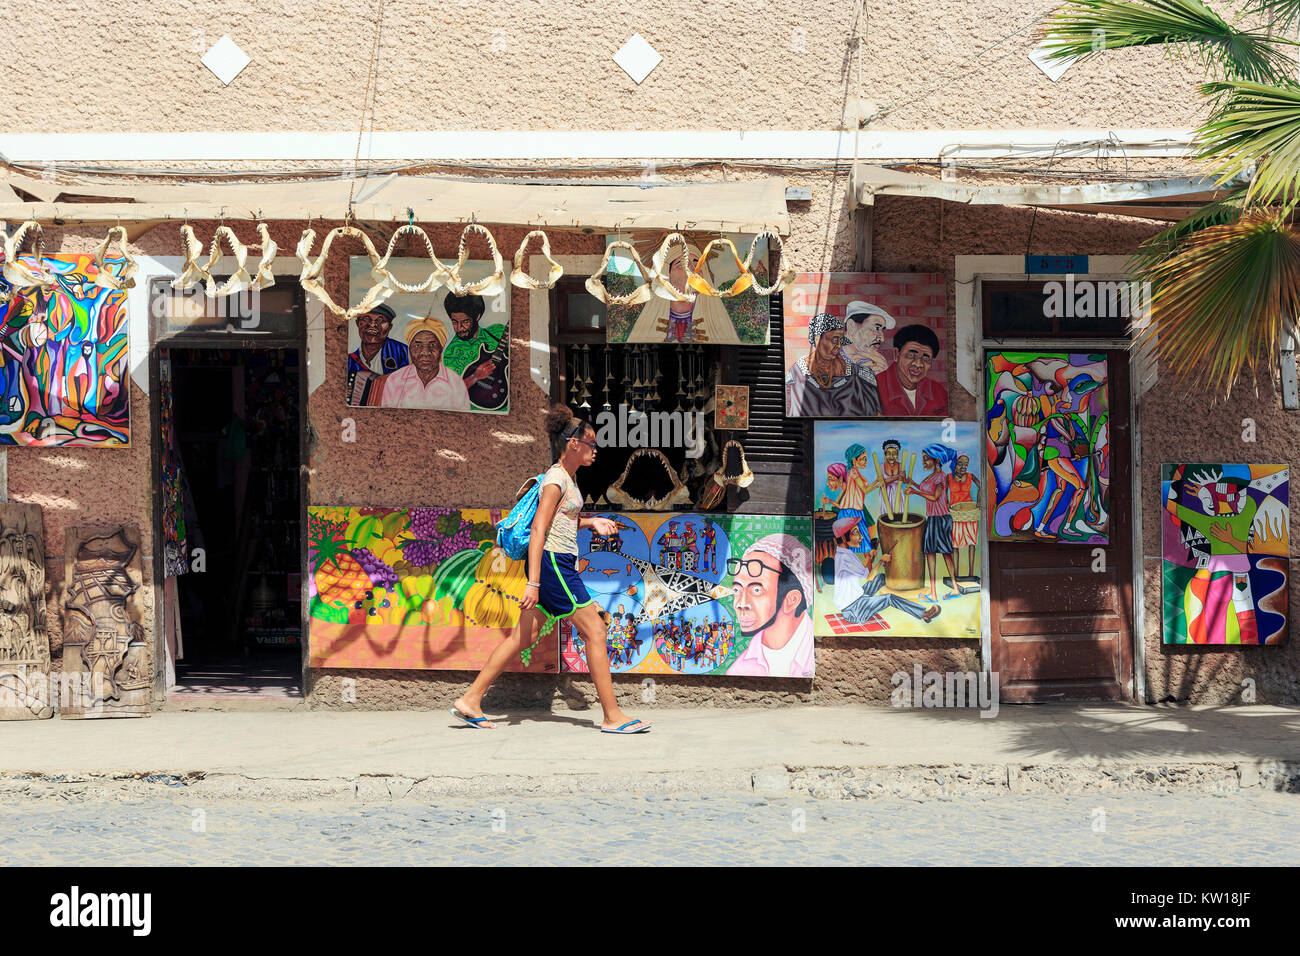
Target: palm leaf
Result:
[1254, 125]
[1221, 303]
[1084, 28]
[1281, 15]
[1165, 243]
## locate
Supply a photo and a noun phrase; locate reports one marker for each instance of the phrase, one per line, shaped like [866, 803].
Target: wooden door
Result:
[1062, 613]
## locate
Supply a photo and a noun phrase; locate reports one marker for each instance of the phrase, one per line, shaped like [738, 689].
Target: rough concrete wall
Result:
[546, 64]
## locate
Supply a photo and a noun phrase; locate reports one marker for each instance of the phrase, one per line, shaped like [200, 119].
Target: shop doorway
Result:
[229, 410]
[1061, 610]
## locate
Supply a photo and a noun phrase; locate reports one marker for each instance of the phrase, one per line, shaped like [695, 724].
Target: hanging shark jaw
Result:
[655, 482]
[735, 469]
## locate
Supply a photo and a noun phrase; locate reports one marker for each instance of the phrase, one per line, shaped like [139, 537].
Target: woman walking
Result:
[554, 590]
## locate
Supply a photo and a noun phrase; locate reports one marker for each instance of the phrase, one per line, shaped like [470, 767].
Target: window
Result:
[1053, 308]
[592, 377]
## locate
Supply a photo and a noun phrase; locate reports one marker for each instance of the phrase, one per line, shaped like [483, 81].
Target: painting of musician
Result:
[462, 343]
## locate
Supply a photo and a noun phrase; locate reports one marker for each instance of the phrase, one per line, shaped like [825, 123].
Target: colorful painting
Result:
[896, 525]
[862, 344]
[417, 588]
[65, 378]
[731, 408]
[1226, 535]
[1047, 427]
[700, 594]
[742, 319]
[433, 350]
[176, 554]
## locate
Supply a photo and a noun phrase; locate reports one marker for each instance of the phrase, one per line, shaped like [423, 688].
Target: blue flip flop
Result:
[475, 722]
[629, 728]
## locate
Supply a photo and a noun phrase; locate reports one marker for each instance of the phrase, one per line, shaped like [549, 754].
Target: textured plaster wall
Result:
[546, 64]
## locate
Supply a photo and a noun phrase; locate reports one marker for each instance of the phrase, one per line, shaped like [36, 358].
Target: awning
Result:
[745, 207]
[1167, 199]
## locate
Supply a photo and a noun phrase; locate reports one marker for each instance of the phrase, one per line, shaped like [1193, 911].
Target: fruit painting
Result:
[418, 588]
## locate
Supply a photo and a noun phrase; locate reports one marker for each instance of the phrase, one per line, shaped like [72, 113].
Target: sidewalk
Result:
[822, 751]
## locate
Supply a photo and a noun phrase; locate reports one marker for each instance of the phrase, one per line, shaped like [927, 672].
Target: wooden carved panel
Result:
[25, 692]
[107, 659]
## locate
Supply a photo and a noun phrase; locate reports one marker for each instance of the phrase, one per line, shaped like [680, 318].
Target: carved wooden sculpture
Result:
[24, 640]
[107, 661]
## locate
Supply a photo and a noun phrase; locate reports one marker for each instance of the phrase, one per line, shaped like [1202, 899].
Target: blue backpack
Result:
[513, 531]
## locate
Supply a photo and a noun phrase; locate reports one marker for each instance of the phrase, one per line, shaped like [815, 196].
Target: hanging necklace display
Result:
[654, 378]
[586, 377]
[604, 352]
[104, 277]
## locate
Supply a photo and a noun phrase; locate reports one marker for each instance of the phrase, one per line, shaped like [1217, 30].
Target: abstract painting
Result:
[896, 522]
[1225, 531]
[700, 594]
[864, 344]
[433, 350]
[1047, 429]
[419, 588]
[64, 376]
[707, 320]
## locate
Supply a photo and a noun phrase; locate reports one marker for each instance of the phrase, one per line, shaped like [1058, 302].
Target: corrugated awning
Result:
[1167, 199]
[744, 207]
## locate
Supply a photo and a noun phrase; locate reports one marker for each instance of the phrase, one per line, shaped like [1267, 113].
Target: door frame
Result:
[972, 349]
[214, 341]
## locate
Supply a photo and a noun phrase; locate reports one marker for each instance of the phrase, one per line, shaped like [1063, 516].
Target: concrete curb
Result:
[825, 783]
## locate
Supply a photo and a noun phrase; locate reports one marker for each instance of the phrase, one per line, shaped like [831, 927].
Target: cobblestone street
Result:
[1141, 828]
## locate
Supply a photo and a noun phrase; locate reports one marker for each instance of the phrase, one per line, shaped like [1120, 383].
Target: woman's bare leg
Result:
[524, 635]
[592, 628]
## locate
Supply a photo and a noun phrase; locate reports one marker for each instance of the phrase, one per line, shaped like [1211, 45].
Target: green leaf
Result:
[1084, 28]
[1222, 302]
[1255, 125]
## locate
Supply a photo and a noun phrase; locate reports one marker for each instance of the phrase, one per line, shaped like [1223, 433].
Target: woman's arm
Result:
[547, 505]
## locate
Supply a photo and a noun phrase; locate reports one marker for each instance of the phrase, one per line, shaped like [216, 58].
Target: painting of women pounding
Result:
[1047, 430]
[1226, 537]
[700, 594]
[64, 378]
[896, 529]
[862, 344]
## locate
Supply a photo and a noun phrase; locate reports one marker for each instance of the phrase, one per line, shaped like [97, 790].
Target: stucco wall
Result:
[546, 64]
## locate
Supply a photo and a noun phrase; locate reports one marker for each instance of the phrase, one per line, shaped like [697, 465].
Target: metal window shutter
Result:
[771, 436]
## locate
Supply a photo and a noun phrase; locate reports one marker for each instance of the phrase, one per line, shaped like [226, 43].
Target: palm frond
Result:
[1165, 243]
[1084, 28]
[1254, 125]
[1281, 15]
[1220, 304]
